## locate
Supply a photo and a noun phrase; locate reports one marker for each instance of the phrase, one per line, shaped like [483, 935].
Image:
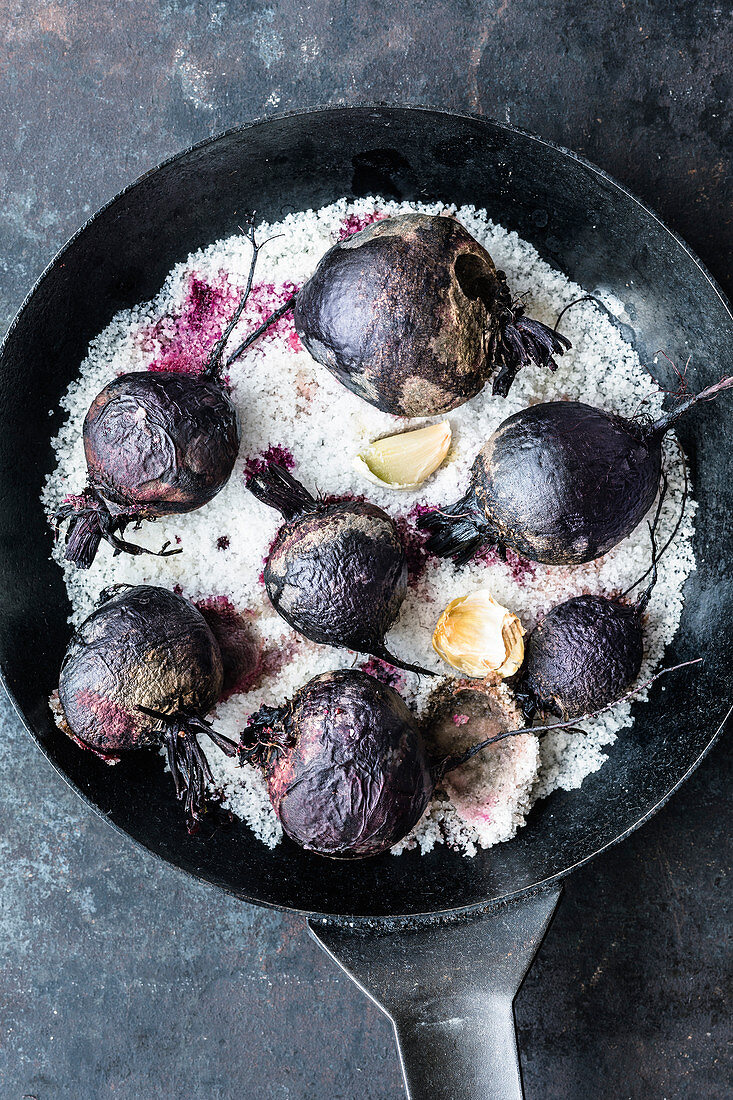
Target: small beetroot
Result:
[588, 650]
[337, 572]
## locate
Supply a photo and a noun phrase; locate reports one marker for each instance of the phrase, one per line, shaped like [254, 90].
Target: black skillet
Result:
[442, 942]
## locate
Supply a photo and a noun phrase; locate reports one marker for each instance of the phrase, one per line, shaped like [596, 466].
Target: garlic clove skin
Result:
[406, 460]
[477, 636]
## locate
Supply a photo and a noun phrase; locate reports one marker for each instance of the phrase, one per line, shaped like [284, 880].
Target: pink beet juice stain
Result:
[275, 455]
[354, 223]
[188, 336]
[248, 661]
[521, 569]
[264, 299]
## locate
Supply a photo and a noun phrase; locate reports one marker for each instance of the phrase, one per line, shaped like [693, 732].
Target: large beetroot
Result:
[142, 671]
[345, 764]
[412, 315]
[560, 482]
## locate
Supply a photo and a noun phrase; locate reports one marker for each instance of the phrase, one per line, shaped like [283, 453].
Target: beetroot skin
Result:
[560, 482]
[584, 654]
[535, 487]
[162, 442]
[412, 315]
[140, 672]
[337, 572]
[345, 764]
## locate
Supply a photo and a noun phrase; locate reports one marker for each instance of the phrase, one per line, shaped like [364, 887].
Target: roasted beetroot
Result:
[142, 671]
[345, 764]
[560, 482]
[156, 444]
[337, 573]
[584, 653]
[588, 650]
[412, 315]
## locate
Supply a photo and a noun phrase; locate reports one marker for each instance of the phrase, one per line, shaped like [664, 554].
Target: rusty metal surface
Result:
[119, 978]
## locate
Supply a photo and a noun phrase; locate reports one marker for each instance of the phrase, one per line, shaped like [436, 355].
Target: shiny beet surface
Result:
[560, 482]
[412, 315]
[345, 764]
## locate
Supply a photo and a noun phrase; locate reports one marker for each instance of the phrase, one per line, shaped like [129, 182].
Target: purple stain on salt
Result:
[413, 540]
[264, 299]
[187, 336]
[354, 223]
[222, 543]
[275, 455]
[248, 661]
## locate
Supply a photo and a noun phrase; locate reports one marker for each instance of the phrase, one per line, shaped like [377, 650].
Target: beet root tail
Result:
[187, 761]
[661, 427]
[520, 341]
[90, 521]
[456, 531]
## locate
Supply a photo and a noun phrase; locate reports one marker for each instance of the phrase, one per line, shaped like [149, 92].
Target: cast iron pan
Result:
[596, 232]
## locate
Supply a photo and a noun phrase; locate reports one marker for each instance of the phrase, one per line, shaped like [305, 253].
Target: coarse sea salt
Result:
[292, 408]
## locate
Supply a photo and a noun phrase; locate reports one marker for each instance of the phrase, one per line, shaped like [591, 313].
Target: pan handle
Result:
[448, 989]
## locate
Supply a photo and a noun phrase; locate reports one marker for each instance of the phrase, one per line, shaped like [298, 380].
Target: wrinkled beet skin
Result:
[583, 655]
[386, 312]
[338, 575]
[163, 442]
[563, 482]
[145, 647]
[357, 778]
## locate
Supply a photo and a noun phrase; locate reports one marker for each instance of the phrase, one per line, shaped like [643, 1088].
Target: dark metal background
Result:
[130, 1069]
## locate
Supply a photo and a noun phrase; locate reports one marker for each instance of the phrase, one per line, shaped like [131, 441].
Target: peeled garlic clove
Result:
[478, 636]
[404, 461]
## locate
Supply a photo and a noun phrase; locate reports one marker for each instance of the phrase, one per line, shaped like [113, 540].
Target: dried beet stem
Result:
[672, 537]
[186, 759]
[266, 736]
[455, 761]
[457, 530]
[213, 367]
[276, 487]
